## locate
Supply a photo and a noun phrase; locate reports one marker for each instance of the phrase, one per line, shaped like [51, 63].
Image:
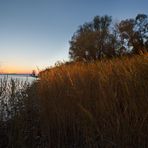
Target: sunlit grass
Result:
[102, 103]
[95, 104]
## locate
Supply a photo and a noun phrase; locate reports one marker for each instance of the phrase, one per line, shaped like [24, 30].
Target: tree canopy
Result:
[101, 38]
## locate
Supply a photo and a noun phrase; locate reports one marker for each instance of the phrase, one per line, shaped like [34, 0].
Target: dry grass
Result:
[97, 104]
[86, 105]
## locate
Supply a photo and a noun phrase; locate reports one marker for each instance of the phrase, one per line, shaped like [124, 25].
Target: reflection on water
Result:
[20, 77]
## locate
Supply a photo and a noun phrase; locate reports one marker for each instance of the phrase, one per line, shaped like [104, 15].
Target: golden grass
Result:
[83, 105]
[97, 104]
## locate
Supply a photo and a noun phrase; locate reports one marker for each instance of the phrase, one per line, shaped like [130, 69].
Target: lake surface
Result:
[20, 77]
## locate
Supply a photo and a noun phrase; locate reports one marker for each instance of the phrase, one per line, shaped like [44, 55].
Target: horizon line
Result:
[15, 73]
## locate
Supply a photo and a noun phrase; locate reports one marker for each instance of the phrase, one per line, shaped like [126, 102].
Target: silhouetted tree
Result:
[133, 33]
[142, 31]
[96, 39]
[93, 40]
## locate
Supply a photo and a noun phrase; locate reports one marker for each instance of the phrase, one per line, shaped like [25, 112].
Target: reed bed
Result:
[84, 105]
[96, 104]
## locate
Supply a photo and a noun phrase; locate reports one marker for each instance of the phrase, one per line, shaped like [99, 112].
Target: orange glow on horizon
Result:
[17, 70]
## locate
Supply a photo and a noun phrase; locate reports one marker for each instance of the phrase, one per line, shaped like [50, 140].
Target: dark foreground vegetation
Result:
[78, 105]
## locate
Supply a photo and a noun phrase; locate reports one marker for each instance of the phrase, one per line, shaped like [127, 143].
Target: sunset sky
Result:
[36, 33]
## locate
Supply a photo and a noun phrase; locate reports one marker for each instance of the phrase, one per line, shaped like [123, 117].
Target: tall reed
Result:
[79, 105]
[96, 104]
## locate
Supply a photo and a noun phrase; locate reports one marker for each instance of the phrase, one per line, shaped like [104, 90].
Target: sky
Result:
[36, 33]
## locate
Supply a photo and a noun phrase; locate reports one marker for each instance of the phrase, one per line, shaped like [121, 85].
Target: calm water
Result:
[24, 78]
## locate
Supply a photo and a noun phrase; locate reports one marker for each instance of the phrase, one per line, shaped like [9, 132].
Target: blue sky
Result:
[37, 32]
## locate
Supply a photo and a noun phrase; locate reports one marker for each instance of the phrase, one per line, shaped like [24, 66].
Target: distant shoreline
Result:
[20, 75]
[14, 74]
